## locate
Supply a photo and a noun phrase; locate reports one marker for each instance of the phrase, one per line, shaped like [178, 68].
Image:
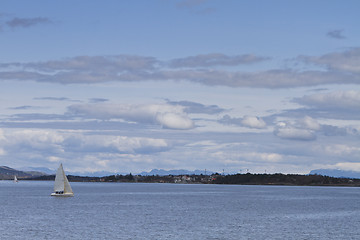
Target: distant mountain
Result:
[91, 174]
[7, 173]
[162, 172]
[52, 172]
[336, 173]
[39, 169]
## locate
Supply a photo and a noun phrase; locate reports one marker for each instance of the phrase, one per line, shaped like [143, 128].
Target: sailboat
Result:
[15, 179]
[62, 186]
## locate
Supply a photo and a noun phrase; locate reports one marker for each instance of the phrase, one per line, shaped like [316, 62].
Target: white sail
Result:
[67, 187]
[15, 179]
[62, 186]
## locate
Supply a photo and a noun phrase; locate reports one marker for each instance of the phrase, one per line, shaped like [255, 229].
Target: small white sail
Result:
[62, 186]
[15, 179]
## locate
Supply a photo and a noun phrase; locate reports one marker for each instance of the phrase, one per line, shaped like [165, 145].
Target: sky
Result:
[130, 86]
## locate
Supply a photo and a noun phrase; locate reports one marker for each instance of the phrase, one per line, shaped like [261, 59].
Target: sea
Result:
[178, 211]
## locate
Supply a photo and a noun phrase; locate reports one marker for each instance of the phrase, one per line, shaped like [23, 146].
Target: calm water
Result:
[175, 211]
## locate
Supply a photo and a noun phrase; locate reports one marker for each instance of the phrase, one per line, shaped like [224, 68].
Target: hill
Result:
[7, 173]
[335, 173]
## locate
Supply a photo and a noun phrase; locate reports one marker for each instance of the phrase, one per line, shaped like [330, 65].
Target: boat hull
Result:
[62, 194]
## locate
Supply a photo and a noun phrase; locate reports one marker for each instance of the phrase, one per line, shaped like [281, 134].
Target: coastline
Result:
[234, 179]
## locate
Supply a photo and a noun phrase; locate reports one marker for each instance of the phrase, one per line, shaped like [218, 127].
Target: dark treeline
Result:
[243, 179]
[282, 179]
[71, 178]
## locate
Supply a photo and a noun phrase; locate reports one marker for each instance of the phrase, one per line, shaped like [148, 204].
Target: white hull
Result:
[62, 194]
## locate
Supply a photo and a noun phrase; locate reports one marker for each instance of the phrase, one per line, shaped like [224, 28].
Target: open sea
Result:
[178, 211]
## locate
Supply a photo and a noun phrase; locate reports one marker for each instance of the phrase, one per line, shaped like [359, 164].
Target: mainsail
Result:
[62, 185]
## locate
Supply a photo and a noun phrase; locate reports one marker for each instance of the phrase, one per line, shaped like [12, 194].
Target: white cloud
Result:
[169, 116]
[253, 122]
[266, 157]
[309, 123]
[174, 121]
[2, 152]
[286, 131]
[102, 163]
[54, 159]
[64, 142]
[341, 150]
[2, 136]
[47, 140]
[246, 121]
[345, 166]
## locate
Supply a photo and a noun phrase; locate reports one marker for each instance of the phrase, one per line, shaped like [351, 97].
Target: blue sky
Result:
[129, 86]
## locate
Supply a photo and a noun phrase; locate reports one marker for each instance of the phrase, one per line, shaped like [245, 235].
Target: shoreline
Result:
[276, 179]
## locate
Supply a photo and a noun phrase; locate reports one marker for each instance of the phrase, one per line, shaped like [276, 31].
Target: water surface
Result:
[178, 211]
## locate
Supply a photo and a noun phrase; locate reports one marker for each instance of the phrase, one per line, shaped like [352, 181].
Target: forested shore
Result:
[243, 179]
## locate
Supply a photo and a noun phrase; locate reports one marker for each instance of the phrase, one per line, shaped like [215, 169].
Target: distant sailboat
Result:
[15, 179]
[62, 186]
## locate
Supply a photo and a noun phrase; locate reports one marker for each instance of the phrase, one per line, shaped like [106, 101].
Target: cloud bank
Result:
[339, 68]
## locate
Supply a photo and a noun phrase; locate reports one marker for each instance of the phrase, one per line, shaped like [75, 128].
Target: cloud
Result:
[330, 130]
[340, 68]
[35, 141]
[262, 158]
[309, 123]
[339, 100]
[56, 99]
[346, 61]
[266, 157]
[349, 166]
[247, 121]
[193, 107]
[289, 131]
[337, 34]
[341, 149]
[307, 127]
[295, 134]
[97, 100]
[166, 115]
[215, 59]
[120, 144]
[2, 152]
[253, 122]
[27, 22]
[25, 107]
[57, 144]
[174, 121]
